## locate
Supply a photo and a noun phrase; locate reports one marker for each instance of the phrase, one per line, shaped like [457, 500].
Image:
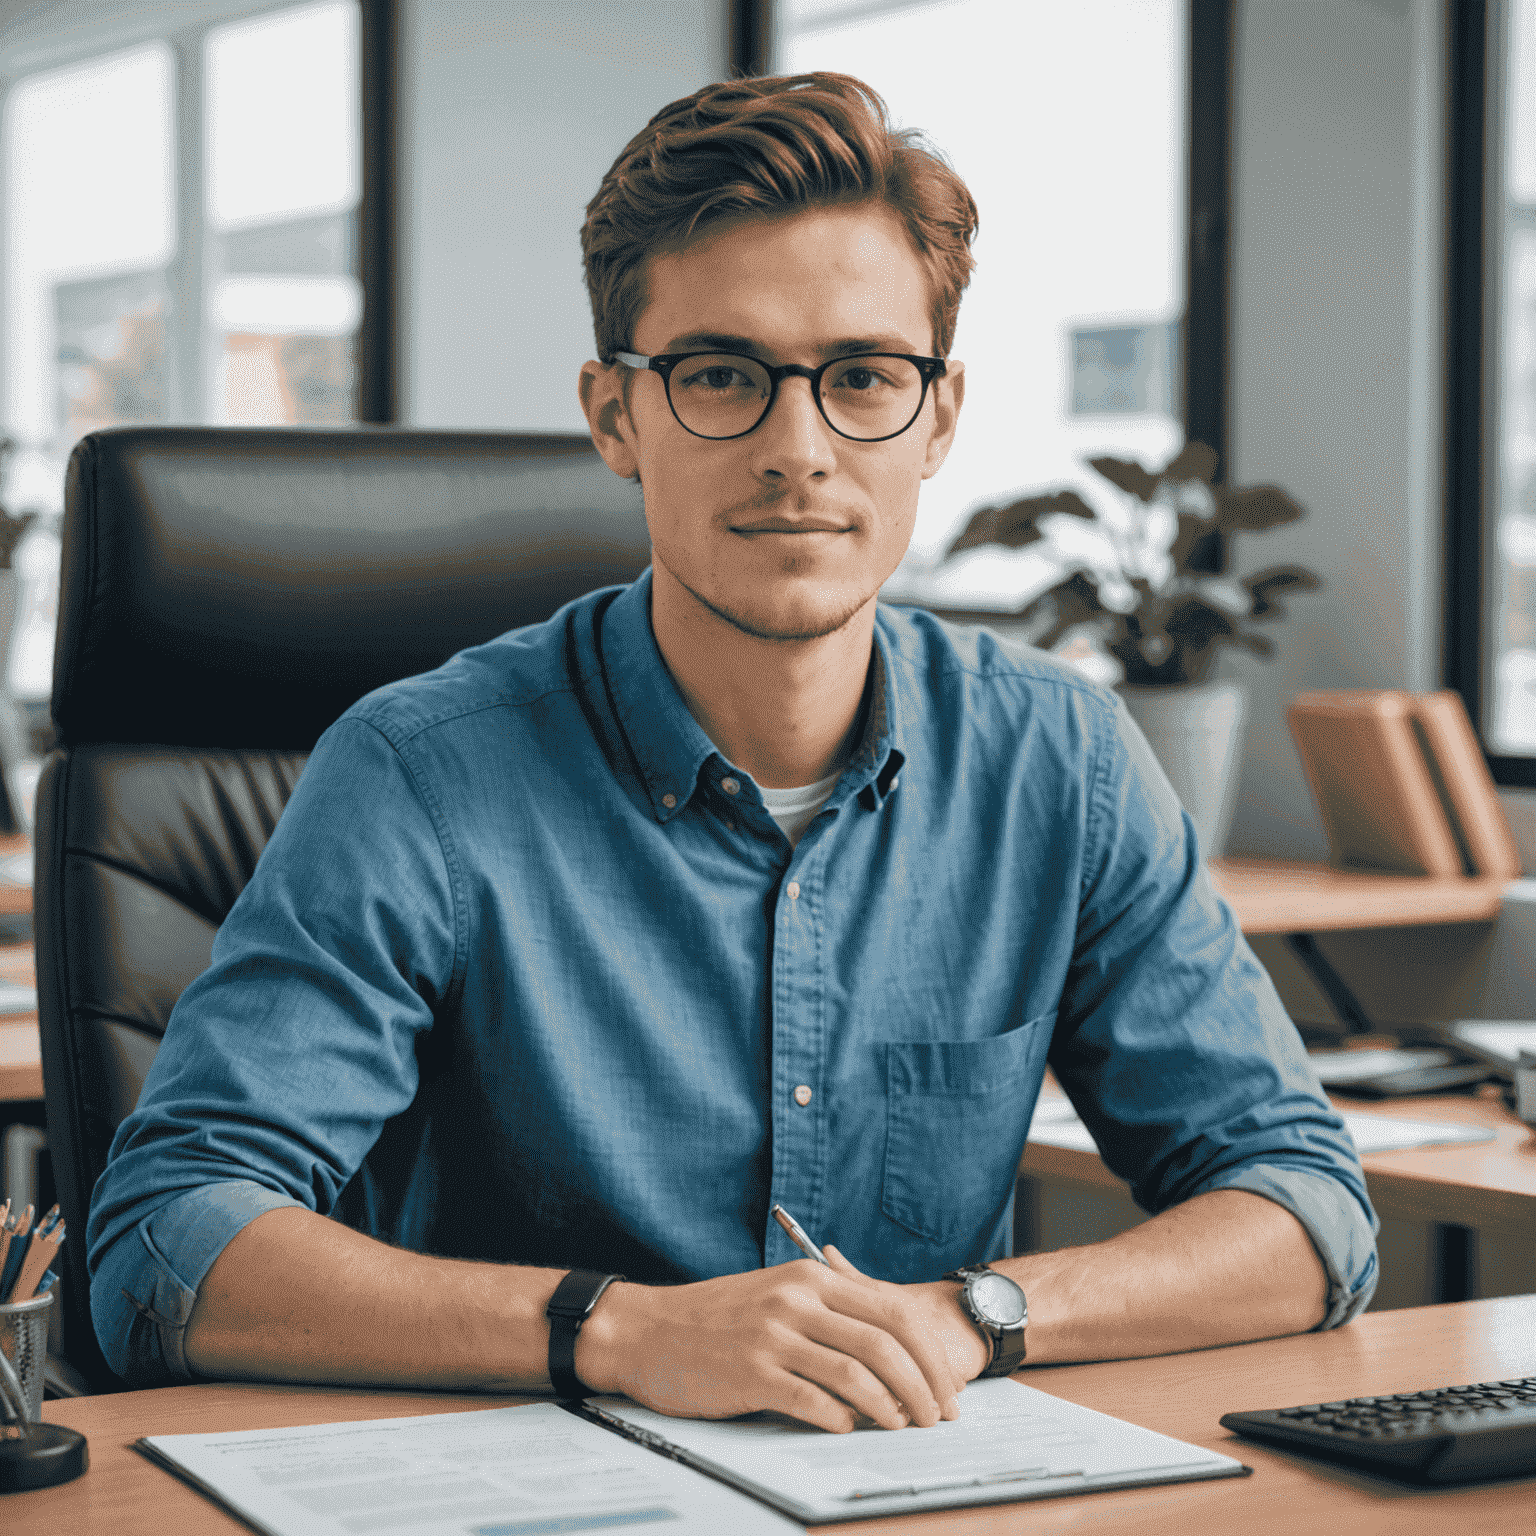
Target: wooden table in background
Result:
[1286, 896]
[1179, 1395]
[1485, 1186]
[21, 1065]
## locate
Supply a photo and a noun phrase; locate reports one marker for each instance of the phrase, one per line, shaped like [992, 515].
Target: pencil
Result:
[39, 1256]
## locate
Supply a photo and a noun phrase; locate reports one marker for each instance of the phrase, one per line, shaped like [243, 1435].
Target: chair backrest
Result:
[225, 594]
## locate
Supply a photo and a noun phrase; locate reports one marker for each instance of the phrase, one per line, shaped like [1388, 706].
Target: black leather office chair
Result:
[226, 594]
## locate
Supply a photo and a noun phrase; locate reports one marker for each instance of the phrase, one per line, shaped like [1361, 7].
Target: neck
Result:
[787, 712]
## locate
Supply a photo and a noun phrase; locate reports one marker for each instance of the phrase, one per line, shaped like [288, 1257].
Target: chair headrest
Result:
[242, 586]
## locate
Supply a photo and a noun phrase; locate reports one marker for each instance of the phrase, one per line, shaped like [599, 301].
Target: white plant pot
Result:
[1195, 731]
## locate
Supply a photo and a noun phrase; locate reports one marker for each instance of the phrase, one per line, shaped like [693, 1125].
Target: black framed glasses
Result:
[868, 397]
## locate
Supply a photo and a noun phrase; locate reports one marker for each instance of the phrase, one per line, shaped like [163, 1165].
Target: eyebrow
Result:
[721, 341]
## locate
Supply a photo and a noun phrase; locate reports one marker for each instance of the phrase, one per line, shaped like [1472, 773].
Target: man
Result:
[726, 889]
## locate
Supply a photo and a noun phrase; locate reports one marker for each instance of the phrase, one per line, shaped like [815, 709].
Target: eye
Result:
[861, 377]
[716, 377]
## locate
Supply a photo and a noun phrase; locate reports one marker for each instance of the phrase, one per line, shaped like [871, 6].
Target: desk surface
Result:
[1181, 1395]
[1487, 1185]
[1284, 896]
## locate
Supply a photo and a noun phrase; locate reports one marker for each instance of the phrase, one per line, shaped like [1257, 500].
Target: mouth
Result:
[792, 525]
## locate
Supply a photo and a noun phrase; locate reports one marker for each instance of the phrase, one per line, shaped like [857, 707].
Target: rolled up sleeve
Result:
[283, 1061]
[1176, 1049]
[145, 1283]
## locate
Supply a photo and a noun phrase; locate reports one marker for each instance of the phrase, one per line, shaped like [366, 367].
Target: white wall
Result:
[1335, 363]
[512, 110]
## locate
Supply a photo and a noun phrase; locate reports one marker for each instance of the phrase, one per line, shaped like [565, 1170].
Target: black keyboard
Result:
[1448, 1435]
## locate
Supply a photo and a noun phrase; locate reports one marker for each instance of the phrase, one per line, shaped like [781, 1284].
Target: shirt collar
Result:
[668, 744]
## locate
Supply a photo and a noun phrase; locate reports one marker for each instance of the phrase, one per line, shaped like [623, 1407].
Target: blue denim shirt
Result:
[527, 974]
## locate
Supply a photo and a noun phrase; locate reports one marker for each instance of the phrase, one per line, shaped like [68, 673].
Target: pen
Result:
[797, 1235]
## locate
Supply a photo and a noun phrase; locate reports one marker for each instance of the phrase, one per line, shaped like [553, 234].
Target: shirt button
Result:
[793, 888]
[895, 781]
[802, 1095]
[731, 786]
[669, 801]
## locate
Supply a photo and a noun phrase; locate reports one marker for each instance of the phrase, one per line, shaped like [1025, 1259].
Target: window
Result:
[180, 220]
[1491, 372]
[180, 233]
[1070, 329]
[282, 179]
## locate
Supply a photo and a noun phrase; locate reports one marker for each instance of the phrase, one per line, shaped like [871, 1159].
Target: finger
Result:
[873, 1346]
[842, 1264]
[847, 1378]
[803, 1399]
[887, 1308]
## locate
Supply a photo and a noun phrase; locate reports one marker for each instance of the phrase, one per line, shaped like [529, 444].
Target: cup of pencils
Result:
[32, 1454]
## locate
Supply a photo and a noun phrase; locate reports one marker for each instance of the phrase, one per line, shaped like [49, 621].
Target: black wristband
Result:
[568, 1309]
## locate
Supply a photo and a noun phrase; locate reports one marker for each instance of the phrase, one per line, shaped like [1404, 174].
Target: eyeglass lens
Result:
[722, 395]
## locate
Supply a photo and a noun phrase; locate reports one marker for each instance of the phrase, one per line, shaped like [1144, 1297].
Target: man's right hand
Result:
[822, 1345]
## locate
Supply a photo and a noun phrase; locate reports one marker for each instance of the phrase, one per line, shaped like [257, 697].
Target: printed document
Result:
[487, 1472]
[1010, 1442]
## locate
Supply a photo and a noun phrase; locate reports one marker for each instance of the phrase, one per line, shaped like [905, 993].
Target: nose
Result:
[793, 442]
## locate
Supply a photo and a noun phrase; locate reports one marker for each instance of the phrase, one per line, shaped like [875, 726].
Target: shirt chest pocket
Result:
[957, 1114]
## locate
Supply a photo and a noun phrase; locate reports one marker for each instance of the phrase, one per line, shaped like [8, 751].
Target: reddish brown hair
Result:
[769, 145]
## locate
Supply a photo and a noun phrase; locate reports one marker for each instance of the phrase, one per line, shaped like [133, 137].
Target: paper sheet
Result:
[1498, 1040]
[1010, 1442]
[491, 1472]
[1371, 1133]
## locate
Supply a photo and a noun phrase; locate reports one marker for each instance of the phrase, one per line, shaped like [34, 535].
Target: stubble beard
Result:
[739, 617]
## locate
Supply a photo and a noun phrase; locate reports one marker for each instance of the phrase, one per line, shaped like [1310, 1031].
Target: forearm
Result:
[295, 1296]
[1221, 1268]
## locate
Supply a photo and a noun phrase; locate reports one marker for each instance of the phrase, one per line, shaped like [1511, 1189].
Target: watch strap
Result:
[1009, 1345]
[568, 1309]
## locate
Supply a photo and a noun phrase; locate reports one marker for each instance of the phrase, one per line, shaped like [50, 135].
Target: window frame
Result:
[1476, 55]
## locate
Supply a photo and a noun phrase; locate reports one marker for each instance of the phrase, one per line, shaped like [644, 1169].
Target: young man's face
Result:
[788, 532]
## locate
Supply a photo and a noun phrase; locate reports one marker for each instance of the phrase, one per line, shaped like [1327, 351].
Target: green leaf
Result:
[1258, 507]
[1015, 525]
[1267, 585]
[1194, 461]
[1128, 475]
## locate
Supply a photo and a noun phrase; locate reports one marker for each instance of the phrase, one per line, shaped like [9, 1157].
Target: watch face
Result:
[998, 1299]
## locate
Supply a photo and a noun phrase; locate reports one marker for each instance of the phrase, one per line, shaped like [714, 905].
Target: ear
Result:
[601, 388]
[948, 395]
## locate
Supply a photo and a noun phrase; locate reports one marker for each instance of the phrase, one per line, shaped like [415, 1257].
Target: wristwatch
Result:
[568, 1309]
[997, 1306]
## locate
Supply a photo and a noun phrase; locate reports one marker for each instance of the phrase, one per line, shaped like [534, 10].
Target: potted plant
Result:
[1141, 596]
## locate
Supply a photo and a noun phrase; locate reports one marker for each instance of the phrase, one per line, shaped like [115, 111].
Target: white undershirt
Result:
[795, 809]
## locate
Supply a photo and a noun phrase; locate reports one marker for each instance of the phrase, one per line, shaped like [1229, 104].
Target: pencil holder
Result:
[24, 1342]
[32, 1454]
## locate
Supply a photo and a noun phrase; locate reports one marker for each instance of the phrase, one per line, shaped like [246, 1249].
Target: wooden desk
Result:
[21, 1062]
[1487, 1186]
[1180, 1395]
[21, 1066]
[1284, 896]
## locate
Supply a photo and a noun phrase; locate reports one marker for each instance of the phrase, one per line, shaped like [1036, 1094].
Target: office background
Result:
[492, 121]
